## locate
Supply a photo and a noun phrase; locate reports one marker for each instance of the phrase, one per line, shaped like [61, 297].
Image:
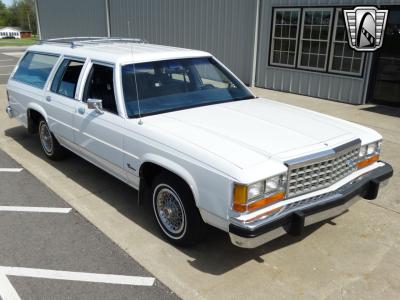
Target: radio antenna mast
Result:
[134, 76]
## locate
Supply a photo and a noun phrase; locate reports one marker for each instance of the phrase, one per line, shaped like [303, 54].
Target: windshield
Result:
[170, 85]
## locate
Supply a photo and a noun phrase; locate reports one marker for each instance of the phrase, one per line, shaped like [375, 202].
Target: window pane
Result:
[315, 38]
[291, 58]
[344, 59]
[278, 17]
[293, 31]
[321, 61]
[306, 47]
[278, 31]
[356, 67]
[315, 32]
[307, 32]
[66, 78]
[100, 85]
[34, 69]
[285, 36]
[346, 64]
[286, 17]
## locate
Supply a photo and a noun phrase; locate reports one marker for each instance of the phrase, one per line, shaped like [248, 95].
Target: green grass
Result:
[18, 42]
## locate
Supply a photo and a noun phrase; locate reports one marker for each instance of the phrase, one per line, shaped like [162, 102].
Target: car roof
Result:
[119, 52]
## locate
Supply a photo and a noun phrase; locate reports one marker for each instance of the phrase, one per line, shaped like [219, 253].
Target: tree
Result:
[4, 14]
[21, 14]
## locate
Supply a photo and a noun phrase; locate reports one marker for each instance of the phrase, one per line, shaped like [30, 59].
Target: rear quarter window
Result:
[34, 69]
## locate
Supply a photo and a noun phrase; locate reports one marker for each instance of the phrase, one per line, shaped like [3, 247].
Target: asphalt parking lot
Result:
[49, 251]
[42, 240]
[8, 58]
[357, 256]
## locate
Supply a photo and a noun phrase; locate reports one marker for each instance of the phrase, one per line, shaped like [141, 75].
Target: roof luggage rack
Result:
[82, 41]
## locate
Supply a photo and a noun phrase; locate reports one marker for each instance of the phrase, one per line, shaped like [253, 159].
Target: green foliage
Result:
[20, 14]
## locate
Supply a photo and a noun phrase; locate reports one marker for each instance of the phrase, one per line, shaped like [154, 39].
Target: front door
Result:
[386, 87]
[99, 135]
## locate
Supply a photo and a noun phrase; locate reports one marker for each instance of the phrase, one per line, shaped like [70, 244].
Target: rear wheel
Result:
[175, 211]
[50, 146]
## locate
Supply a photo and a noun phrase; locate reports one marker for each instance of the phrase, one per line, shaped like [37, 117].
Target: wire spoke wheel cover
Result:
[45, 138]
[169, 211]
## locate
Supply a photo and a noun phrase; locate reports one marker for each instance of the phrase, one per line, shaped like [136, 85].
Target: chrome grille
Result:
[318, 173]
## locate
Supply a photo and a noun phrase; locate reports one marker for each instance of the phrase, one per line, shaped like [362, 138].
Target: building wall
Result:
[342, 88]
[226, 28]
[60, 18]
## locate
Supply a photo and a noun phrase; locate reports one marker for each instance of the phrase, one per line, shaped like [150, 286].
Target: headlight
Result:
[259, 194]
[255, 189]
[369, 154]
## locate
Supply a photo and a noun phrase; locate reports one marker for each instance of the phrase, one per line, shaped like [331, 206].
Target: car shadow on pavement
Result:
[384, 110]
[216, 255]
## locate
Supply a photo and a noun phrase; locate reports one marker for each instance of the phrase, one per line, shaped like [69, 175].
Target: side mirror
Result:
[96, 104]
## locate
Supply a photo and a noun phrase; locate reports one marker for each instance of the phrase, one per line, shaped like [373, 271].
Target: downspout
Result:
[39, 32]
[255, 44]
[108, 29]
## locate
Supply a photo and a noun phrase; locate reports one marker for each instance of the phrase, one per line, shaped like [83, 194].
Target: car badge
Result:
[365, 27]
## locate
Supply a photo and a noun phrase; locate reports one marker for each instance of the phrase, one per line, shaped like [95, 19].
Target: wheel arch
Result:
[152, 164]
[33, 113]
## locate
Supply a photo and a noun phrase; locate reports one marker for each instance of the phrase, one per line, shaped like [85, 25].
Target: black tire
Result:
[50, 146]
[193, 229]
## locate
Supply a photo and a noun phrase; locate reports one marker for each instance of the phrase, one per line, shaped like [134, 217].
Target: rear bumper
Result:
[293, 223]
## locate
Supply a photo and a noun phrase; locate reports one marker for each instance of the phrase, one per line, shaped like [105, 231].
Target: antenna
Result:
[134, 75]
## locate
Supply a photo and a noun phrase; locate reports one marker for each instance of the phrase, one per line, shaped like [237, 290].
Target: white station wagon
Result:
[181, 128]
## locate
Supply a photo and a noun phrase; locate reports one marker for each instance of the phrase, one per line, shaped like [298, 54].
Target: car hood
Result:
[250, 131]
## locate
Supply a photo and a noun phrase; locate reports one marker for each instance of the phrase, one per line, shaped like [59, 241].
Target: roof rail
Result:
[82, 41]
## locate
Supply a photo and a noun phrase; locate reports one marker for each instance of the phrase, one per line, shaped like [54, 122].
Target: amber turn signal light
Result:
[244, 207]
[366, 162]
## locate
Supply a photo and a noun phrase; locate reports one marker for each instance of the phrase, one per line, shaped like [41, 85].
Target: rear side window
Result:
[66, 78]
[34, 69]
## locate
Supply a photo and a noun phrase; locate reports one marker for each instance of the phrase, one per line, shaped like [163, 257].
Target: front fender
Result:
[174, 168]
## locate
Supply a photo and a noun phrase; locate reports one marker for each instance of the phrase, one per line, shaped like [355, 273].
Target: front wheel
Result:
[50, 146]
[175, 211]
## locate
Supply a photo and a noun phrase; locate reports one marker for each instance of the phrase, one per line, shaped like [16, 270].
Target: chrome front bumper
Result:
[9, 111]
[327, 207]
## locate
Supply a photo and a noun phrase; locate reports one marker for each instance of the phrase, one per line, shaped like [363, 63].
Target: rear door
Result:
[61, 99]
[99, 135]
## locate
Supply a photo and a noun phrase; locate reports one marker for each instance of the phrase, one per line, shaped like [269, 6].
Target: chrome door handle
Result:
[48, 98]
[81, 110]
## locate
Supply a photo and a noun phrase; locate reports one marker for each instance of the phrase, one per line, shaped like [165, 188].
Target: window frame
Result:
[328, 40]
[274, 11]
[49, 77]
[59, 65]
[84, 82]
[339, 10]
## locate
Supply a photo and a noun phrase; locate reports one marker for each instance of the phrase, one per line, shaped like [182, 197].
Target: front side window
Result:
[100, 85]
[284, 36]
[315, 34]
[66, 78]
[344, 59]
[177, 84]
[35, 68]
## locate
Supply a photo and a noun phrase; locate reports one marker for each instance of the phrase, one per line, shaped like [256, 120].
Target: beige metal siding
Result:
[223, 27]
